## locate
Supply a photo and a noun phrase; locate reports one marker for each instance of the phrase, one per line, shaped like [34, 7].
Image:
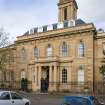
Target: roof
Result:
[79, 22]
[55, 26]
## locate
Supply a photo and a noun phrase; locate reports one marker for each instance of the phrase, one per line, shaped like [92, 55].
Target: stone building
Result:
[64, 56]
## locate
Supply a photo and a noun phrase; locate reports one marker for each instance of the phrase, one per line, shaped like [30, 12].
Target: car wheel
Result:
[27, 104]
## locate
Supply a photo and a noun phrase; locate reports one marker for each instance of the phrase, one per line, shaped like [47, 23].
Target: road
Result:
[43, 99]
[47, 99]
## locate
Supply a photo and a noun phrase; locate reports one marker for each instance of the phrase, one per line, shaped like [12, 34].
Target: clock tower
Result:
[67, 10]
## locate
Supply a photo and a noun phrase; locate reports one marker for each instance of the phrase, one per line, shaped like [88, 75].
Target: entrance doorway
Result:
[44, 79]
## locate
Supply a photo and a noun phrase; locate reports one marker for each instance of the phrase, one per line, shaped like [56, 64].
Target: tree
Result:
[4, 51]
[3, 60]
[102, 68]
[4, 39]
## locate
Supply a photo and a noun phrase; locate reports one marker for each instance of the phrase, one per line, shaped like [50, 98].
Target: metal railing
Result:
[79, 88]
[15, 85]
[69, 87]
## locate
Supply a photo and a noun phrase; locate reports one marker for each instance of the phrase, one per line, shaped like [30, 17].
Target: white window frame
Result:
[81, 49]
[81, 76]
[23, 55]
[49, 50]
[64, 49]
[64, 76]
[36, 53]
[23, 75]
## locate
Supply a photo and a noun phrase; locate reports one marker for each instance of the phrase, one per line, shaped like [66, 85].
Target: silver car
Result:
[12, 98]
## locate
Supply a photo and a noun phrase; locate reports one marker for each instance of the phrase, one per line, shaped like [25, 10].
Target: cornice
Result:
[62, 3]
[92, 28]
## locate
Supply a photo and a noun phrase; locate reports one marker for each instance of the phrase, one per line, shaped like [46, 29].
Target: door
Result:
[5, 99]
[44, 85]
[45, 80]
[16, 99]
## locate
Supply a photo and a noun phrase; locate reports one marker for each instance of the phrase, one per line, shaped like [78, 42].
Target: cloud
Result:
[18, 16]
[92, 11]
[18, 20]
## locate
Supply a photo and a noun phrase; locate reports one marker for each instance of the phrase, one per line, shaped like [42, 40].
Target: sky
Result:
[18, 16]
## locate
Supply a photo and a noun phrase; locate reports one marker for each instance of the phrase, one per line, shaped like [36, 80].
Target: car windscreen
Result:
[15, 96]
[5, 96]
[77, 101]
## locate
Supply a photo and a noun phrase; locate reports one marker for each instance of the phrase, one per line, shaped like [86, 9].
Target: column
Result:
[34, 78]
[39, 77]
[50, 79]
[69, 77]
[55, 78]
[29, 76]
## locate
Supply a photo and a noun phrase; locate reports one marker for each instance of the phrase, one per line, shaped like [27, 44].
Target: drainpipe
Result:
[94, 34]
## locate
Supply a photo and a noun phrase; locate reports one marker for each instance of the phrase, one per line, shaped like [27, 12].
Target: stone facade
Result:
[50, 69]
[56, 62]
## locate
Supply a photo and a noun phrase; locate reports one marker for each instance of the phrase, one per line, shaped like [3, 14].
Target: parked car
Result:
[81, 100]
[12, 98]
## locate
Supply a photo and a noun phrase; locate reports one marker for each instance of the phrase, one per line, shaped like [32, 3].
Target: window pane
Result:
[15, 96]
[23, 74]
[23, 55]
[81, 50]
[64, 49]
[36, 52]
[49, 51]
[81, 76]
[5, 96]
[64, 76]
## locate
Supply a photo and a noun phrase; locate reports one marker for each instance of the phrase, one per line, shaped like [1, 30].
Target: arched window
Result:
[23, 75]
[23, 55]
[81, 49]
[36, 52]
[64, 49]
[49, 50]
[81, 75]
[64, 76]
